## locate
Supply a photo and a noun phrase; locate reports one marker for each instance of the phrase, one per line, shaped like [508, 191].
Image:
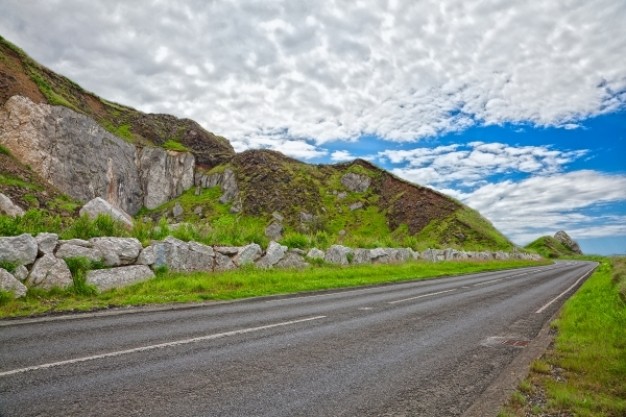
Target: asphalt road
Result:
[426, 348]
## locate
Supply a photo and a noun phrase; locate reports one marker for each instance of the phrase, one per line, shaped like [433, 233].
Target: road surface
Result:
[426, 348]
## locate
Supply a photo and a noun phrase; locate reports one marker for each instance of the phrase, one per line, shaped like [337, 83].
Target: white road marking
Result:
[296, 298]
[158, 346]
[487, 282]
[542, 309]
[422, 296]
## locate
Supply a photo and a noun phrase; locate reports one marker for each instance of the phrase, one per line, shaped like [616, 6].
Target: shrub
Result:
[296, 240]
[78, 268]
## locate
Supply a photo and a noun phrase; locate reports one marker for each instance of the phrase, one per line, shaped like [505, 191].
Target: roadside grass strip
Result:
[170, 287]
[584, 373]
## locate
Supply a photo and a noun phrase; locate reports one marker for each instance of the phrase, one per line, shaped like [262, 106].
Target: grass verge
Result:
[584, 373]
[169, 287]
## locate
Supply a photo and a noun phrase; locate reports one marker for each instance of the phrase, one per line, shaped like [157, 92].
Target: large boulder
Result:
[338, 254]
[248, 254]
[72, 250]
[105, 279]
[9, 208]
[362, 256]
[10, 284]
[274, 231]
[21, 250]
[177, 255]
[274, 253]
[316, 253]
[117, 251]
[292, 259]
[99, 206]
[49, 272]
[47, 242]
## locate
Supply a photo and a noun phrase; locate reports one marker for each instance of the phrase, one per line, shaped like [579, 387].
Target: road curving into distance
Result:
[427, 348]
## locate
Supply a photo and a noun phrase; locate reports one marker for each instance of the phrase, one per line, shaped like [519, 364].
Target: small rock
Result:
[227, 250]
[278, 217]
[77, 242]
[198, 211]
[21, 273]
[9, 283]
[105, 279]
[316, 253]
[342, 195]
[274, 231]
[355, 206]
[177, 211]
[9, 208]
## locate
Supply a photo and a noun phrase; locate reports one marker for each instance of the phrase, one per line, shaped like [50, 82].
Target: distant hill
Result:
[561, 245]
[356, 203]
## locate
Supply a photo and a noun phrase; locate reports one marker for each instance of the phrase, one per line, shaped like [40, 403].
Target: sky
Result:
[515, 108]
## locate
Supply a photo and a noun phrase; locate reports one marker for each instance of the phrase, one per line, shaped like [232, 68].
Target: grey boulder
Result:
[106, 279]
[117, 251]
[21, 249]
[10, 284]
[49, 272]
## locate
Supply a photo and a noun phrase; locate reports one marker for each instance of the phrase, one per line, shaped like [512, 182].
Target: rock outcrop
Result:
[79, 157]
[566, 240]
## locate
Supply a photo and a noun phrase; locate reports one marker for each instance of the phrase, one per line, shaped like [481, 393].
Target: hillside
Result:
[561, 245]
[57, 132]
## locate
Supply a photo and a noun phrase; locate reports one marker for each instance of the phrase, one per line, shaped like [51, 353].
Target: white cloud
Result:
[341, 156]
[542, 205]
[327, 71]
[476, 162]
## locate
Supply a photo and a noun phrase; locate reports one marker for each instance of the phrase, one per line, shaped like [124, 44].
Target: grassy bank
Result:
[584, 373]
[170, 287]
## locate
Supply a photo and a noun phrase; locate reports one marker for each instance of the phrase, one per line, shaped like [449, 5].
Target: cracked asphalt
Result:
[427, 348]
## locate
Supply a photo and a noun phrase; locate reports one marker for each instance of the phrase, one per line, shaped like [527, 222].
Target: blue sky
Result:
[516, 108]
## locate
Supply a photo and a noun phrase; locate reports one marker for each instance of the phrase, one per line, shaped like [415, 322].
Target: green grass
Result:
[589, 353]
[4, 150]
[169, 287]
[173, 145]
[9, 181]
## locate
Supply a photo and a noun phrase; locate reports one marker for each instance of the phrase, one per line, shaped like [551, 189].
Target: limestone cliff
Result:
[77, 156]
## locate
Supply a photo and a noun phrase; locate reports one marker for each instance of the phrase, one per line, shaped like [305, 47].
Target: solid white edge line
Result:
[158, 346]
[422, 296]
[542, 309]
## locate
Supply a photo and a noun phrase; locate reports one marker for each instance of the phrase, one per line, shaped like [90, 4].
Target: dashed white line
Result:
[487, 282]
[422, 296]
[158, 346]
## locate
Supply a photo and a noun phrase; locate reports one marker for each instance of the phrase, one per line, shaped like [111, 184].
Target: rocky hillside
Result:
[61, 146]
[561, 245]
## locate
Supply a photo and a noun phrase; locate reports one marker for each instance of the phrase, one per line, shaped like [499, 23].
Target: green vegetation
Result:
[466, 229]
[121, 131]
[37, 221]
[170, 287]
[78, 268]
[11, 181]
[549, 247]
[585, 373]
[173, 145]
[4, 150]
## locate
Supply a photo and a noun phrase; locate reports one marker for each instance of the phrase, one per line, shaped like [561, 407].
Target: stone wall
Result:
[39, 261]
